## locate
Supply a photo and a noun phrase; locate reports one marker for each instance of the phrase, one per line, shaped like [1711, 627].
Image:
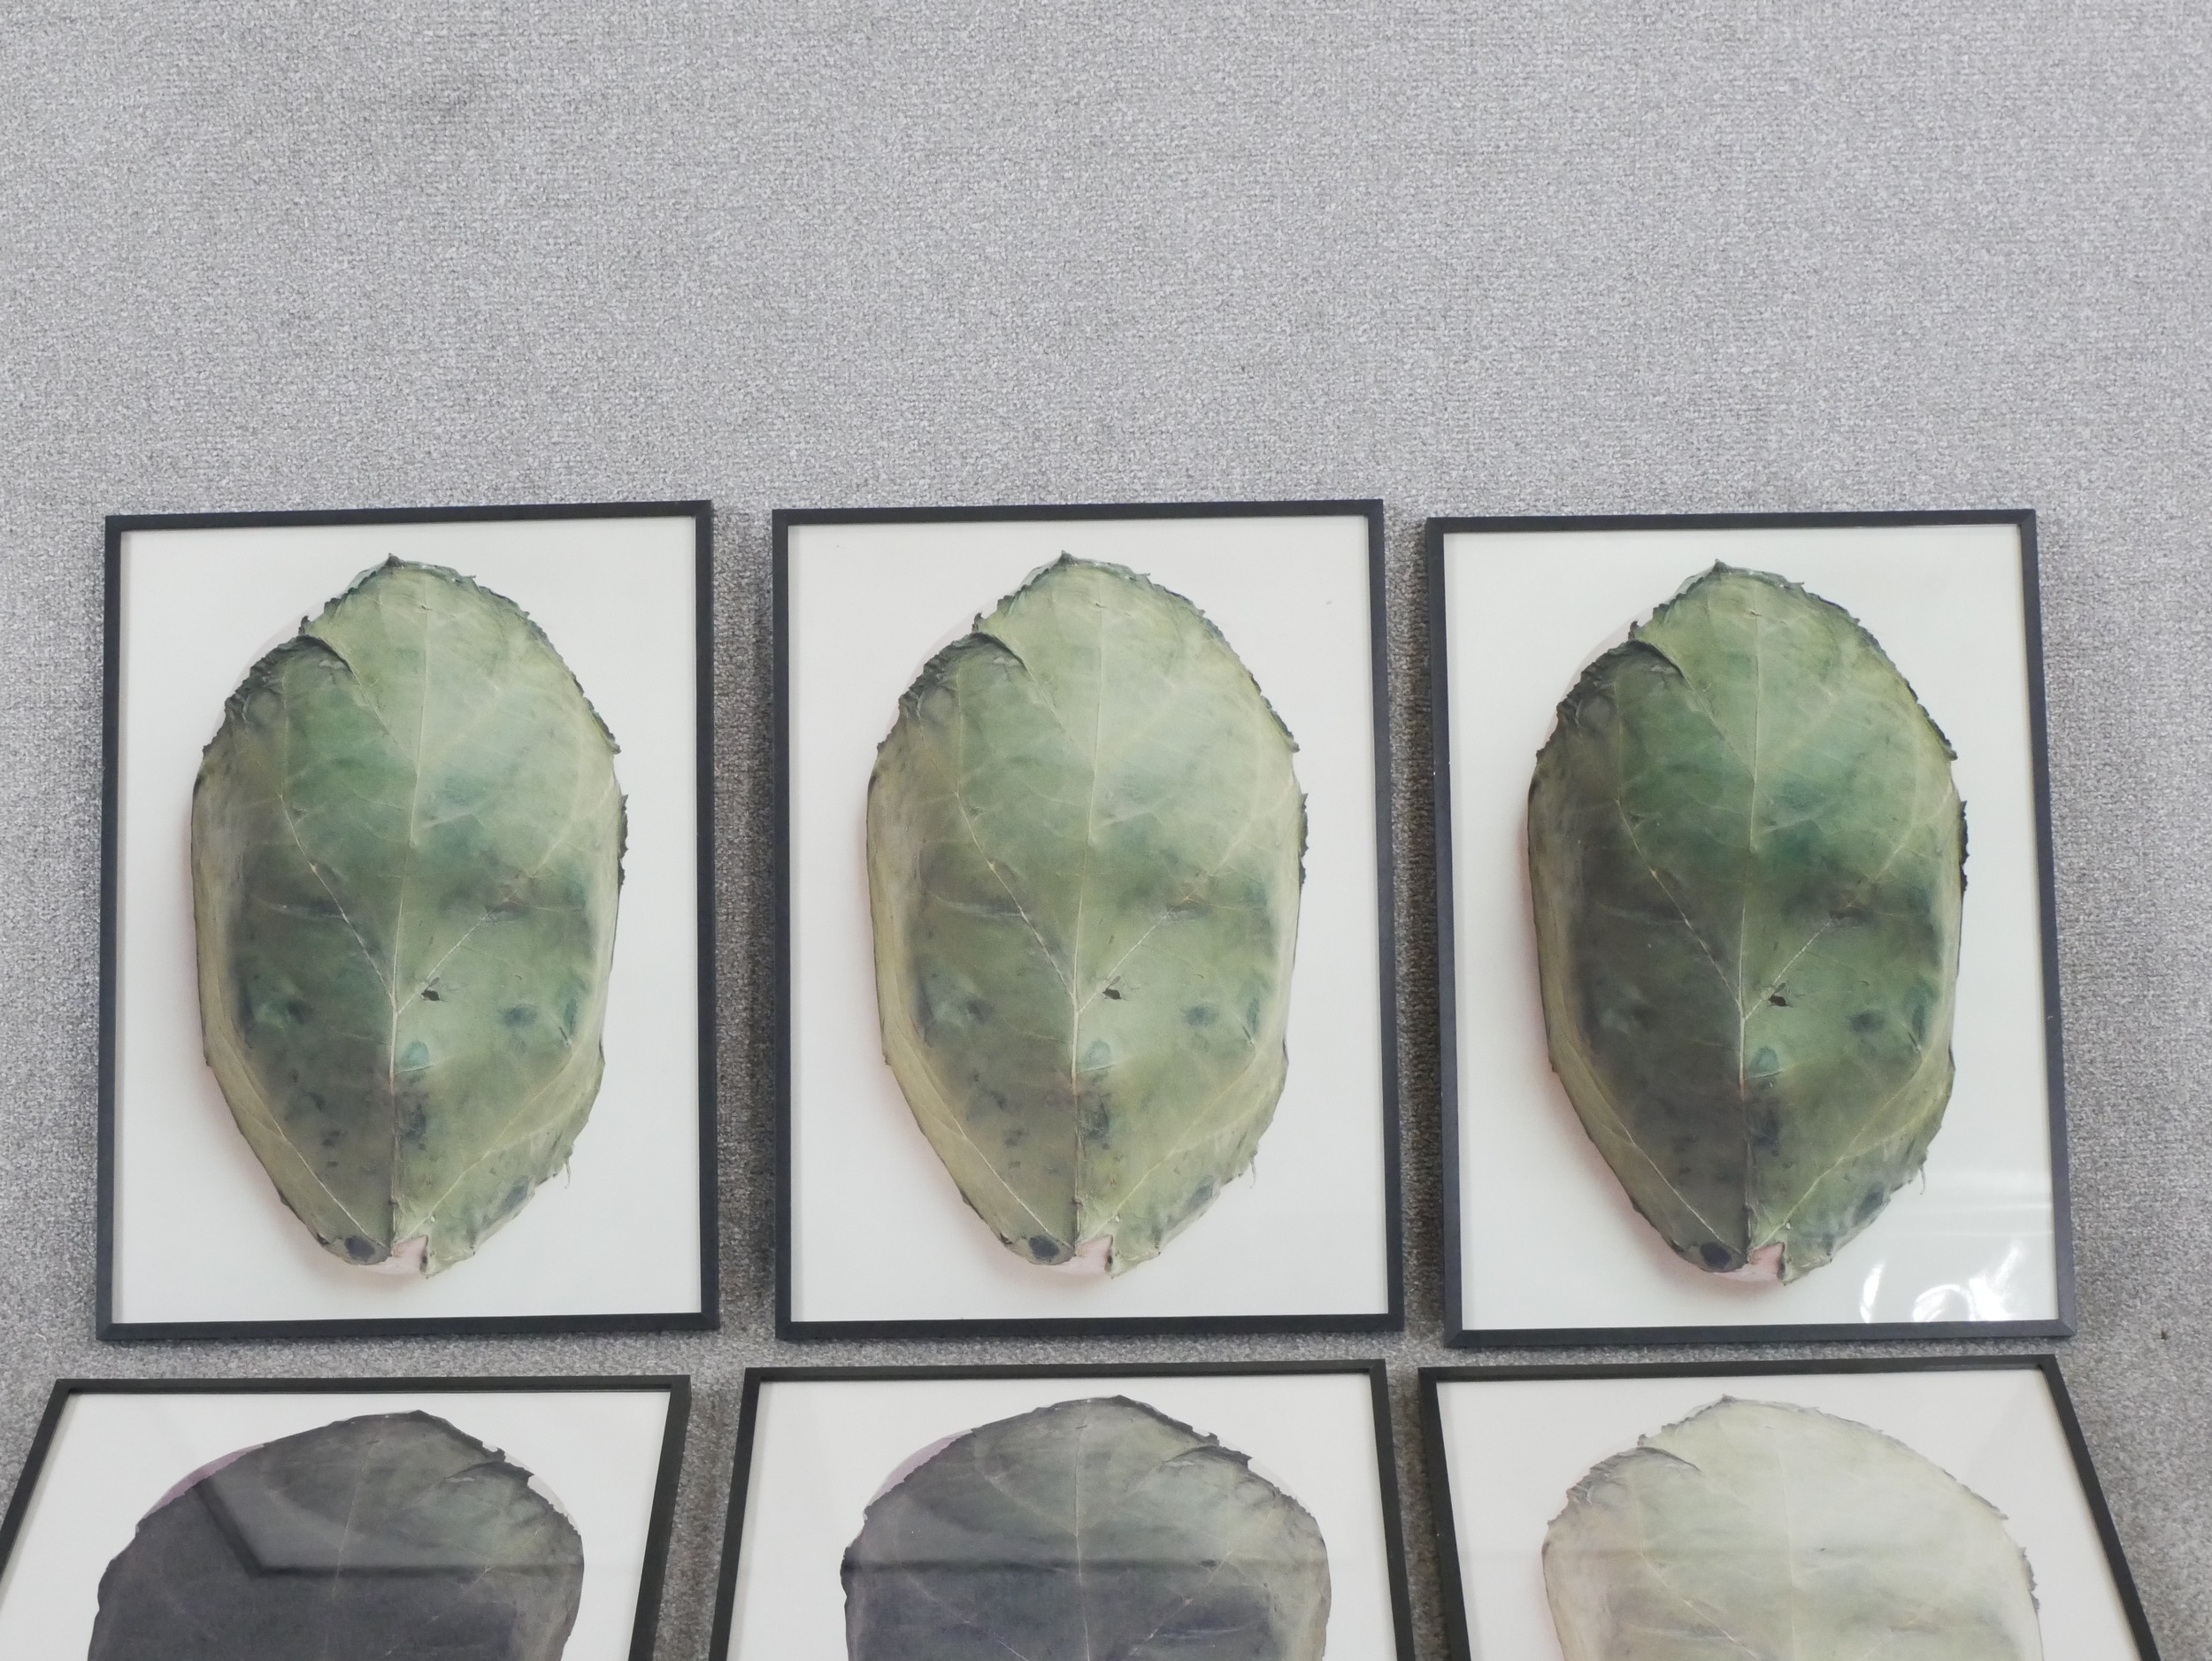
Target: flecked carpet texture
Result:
[1580, 258]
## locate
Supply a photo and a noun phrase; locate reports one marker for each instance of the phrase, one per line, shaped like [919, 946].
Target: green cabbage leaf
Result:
[1746, 857]
[406, 851]
[1085, 839]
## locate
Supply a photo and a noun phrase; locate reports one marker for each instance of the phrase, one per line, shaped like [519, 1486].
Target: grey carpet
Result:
[1576, 257]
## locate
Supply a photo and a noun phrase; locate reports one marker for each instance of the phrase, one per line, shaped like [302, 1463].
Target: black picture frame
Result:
[1375, 1371]
[1459, 1333]
[1390, 1318]
[1459, 1641]
[660, 1523]
[707, 1317]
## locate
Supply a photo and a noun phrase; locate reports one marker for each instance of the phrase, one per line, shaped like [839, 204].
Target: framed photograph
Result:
[1085, 851]
[1749, 966]
[882, 1514]
[1933, 1506]
[336, 1519]
[407, 923]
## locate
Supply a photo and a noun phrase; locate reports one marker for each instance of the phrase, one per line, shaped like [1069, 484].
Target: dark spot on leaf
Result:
[1717, 1255]
[359, 1250]
[1866, 1020]
[430, 995]
[1114, 993]
[519, 1015]
[1043, 1247]
[1918, 1008]
[1778, 1001]
[1199, 1015]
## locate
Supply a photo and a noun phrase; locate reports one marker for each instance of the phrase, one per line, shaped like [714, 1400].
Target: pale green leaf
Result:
[1084, 848]
[406, 847]
[1754, 1531]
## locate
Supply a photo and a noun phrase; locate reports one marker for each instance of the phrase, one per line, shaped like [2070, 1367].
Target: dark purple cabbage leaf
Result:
[392, 1536]
[1096, 1530]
